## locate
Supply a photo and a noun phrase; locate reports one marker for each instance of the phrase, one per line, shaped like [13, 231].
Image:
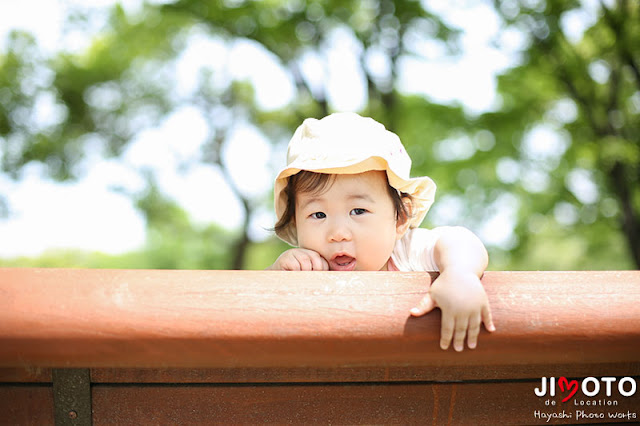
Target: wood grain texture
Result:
[414, 403]
[257, 319]
[26, 405]
[361, 374]
[25, 375]
[332, 375]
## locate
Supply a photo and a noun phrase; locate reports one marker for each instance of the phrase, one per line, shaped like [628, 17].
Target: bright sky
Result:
[89, 214]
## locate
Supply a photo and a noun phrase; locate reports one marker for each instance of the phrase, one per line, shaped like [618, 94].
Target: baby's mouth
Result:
[342, 262]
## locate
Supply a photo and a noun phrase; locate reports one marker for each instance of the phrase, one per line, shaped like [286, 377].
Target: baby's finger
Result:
[427, 304]
[290, 264]
[462, 324]
[487, 319]
[446, 331]
[318, 262]
[306, 264]
[325, 264]
[474, 329]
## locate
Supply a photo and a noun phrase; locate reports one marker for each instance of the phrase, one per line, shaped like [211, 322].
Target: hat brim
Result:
[421, 189]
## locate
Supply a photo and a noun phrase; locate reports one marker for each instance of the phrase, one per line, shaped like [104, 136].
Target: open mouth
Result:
[342, 262]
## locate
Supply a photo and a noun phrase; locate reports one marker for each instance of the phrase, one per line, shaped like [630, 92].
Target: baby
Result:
[346, 201]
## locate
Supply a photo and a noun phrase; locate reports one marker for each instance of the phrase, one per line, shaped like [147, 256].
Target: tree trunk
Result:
[241, 245]
[630, 222]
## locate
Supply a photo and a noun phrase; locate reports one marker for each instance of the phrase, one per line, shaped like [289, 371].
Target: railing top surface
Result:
[153, 318]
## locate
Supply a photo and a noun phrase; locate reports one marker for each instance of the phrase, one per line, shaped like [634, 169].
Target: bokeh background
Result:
[141, 134]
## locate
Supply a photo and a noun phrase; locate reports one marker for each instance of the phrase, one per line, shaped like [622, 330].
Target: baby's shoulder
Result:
[415, 250]
[422, 235]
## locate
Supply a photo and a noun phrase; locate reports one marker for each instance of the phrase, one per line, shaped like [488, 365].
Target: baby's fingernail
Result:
[458, 348]
[472, 345]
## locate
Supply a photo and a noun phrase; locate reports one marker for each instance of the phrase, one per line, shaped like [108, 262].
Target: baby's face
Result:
[352, 224]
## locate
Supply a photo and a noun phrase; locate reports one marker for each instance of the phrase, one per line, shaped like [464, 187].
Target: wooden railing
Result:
[141, 346]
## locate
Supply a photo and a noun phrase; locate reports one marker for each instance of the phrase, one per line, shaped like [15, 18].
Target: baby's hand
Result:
[298, 259]
[464, 306]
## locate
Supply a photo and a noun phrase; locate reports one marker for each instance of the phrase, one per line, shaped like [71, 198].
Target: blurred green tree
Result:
[557, 161]
[581, 181]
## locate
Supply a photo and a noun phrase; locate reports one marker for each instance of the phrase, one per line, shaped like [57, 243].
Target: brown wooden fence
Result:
[193, 347]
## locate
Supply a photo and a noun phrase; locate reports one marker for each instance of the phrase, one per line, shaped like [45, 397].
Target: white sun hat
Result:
[347, 143]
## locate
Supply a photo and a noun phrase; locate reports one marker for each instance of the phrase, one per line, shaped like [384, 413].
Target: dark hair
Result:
[316, 183]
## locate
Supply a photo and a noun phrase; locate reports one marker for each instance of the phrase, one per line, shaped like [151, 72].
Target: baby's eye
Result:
[357, 212]
[318, 215]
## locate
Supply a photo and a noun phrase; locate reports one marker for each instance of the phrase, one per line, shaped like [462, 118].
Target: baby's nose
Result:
[339, 232]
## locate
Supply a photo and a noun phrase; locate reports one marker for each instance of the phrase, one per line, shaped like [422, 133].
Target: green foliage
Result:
[174, 242]
[598, 78]
[575, 204]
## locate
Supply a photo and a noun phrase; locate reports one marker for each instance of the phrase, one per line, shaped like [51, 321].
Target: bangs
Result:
[305, 182]
[311, 182]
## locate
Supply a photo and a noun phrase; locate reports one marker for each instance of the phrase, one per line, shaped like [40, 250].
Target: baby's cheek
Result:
[377, 257]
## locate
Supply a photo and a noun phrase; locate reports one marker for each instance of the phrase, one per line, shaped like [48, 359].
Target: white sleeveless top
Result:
[415, 251]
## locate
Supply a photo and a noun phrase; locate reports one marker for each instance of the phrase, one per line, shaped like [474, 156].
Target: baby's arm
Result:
[298, 259]
[461, 258]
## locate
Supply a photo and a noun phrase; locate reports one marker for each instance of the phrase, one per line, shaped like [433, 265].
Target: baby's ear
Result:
[402, 224]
